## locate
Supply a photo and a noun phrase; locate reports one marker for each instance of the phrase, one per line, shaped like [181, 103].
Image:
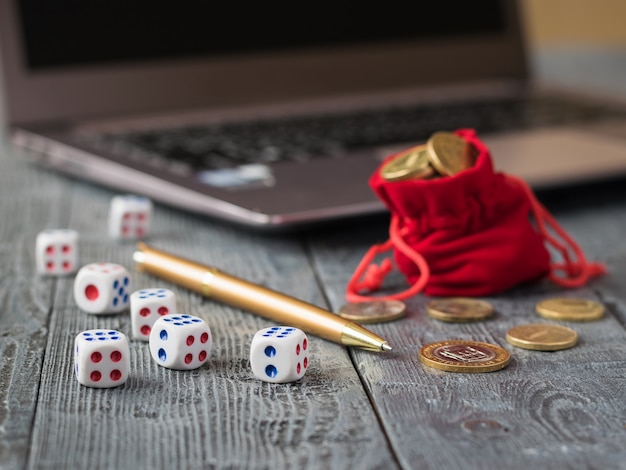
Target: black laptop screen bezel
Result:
[38, 90]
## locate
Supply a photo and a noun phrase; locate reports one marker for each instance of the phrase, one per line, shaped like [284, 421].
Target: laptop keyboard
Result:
[198, 147]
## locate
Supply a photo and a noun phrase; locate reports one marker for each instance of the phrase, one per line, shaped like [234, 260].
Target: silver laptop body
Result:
[88, 99]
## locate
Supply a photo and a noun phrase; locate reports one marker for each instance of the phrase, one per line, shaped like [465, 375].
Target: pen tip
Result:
[385, 347]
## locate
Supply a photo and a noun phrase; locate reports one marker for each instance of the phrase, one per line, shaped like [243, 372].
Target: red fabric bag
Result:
[470, 234]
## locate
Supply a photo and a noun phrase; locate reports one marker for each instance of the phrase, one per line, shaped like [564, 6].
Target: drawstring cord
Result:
[369, 276]
[576, 271]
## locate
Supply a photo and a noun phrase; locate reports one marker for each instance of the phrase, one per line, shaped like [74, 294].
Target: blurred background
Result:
[578, 42]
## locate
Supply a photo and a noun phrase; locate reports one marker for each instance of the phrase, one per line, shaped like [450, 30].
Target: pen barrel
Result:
[275, 306]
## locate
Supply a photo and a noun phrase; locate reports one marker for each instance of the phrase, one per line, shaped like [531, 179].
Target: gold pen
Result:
[265, 302]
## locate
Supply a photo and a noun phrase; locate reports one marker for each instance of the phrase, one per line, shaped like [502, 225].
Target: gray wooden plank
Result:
[218, 416]
[561, 409]
[30, 201]
[564, 409]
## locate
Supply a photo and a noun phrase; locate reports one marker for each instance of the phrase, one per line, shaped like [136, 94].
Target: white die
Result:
[147, 306]
[56, 252]
[102, 288]
[101, 358]
[279, 354]
[129, 217]
[180, 341]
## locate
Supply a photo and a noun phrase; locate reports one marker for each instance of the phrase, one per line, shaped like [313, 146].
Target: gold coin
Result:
[542, 337]
[573, 309]
[464, 356]
[413, 163]
[373, 312]
[449, 153]
[459, 309]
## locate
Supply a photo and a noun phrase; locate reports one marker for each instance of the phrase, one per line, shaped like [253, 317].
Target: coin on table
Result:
[570, 308]
[459, 309]
[464, 356]
[542, 337]
[449, 153]
[373, 312]
[413, 163]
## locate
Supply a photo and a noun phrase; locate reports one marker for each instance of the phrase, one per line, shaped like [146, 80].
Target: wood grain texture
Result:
[25, 303]
[353, 409]
[218, 416]
[563, 409]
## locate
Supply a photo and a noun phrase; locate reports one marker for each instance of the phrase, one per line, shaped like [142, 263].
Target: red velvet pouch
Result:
[470, 234]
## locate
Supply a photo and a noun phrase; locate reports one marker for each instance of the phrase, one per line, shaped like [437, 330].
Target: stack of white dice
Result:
[176, 340]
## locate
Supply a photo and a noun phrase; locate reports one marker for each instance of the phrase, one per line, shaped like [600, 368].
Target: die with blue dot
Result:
[101, 358]
[129, 217]
[279, 354]
[56, 252]
[147, 306]
[102, 288]
[180, 341]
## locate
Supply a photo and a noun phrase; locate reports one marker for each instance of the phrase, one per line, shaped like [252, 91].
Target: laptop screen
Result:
[67, 60]
[73, 33]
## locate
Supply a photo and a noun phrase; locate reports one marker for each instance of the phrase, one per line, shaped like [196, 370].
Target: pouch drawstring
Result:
[369, 276]
[576, 271]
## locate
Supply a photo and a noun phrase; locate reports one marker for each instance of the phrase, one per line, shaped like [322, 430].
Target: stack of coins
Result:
[444, 154]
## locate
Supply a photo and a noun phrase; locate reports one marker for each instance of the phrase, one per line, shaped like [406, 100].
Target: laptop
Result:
[275, 118]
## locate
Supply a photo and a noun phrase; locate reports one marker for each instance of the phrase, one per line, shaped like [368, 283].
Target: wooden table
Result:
[353, 409]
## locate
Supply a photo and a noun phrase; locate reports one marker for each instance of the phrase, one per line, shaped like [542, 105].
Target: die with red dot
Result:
[147, 306]
[279, 354]
[102, 288]
[101, 358]
[56, 252]
[180, 341]
[129, 217]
